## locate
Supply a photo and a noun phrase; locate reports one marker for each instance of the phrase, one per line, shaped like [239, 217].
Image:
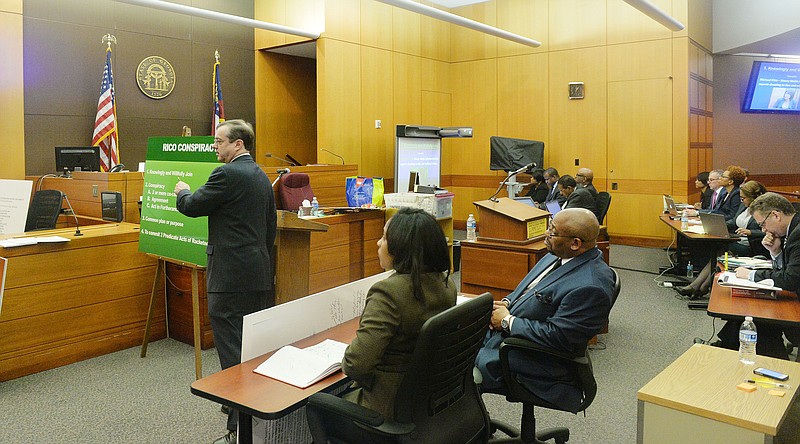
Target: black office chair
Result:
[44, 210]
[581, 368]
[603, 202]
[437, 402]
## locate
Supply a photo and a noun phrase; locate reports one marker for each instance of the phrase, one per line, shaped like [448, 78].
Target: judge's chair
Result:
[44, 210]
[437, 402]
[581, 368]
[293, 188]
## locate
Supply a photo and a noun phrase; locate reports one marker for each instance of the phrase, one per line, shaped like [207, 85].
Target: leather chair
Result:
[43, 210]
[293, 188]
[603, 202]
[438, 400]
[580, 366]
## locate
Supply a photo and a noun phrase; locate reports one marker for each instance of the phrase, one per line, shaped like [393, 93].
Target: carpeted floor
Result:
[121, 398]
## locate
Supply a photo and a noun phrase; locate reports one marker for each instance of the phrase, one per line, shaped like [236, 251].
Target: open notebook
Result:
[302, 367]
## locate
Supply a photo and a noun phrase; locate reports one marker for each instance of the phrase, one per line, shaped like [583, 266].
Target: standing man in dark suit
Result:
[577, 197]
[238, 200]
[562, 302]
[776, 217]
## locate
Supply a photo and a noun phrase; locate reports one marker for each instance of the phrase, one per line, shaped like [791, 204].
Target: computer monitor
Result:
[77, 158]
[553, 206]
[111, 202]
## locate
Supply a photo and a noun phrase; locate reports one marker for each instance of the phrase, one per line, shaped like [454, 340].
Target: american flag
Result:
[219, 110]
[105, 123]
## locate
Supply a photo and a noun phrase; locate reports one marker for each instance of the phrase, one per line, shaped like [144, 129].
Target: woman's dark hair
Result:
[417, 245]
[703, 177]
[538, 175]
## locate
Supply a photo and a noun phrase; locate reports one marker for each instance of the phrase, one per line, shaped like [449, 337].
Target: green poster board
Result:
[164, 231]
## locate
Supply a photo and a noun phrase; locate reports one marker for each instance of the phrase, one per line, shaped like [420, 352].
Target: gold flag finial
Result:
[108, 38]
[216, 55]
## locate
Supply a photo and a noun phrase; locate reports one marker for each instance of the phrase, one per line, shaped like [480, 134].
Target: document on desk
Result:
[22, 241]
[729, 279]
[748, 262]
[302, 367]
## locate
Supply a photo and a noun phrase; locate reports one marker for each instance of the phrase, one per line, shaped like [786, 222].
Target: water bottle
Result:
[314, 206]
[690, 270]
[471, 236]
[747, 341]
[684, 221]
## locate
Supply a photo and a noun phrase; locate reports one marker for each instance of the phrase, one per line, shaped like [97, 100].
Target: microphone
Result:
[331, 152]
[526, 167]
[281, 172]
[77, 229]
[281, 159]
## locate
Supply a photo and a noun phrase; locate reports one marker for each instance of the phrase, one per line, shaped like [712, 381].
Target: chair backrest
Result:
[438, 393]
[603, 202]
[43, 210]
[293, 189]
[617, 287]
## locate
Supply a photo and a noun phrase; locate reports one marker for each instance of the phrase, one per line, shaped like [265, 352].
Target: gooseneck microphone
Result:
[279, 158]
[281, 172]
[77, 228]
[331, 152]
[511, 174]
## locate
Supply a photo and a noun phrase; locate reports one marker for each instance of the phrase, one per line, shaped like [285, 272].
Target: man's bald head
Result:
[584, 176]
[580, 223]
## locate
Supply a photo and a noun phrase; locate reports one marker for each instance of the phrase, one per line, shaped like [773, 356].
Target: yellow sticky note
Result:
[778, 393]
[747, 387]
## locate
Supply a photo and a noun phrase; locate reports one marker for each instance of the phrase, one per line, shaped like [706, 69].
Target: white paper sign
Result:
[15, 196]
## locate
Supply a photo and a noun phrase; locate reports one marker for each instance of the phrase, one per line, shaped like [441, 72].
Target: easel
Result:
[161, 270]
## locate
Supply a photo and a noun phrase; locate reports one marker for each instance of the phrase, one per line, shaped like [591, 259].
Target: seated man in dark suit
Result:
[584, 178]
[577, 197]
[551, 178]
[561, 304]
[778, 219]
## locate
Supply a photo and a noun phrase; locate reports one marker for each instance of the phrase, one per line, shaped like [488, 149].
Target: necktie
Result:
[714, 199]
[542, 275]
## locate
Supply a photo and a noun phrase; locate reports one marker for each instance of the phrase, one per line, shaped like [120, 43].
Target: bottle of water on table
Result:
[747, 341]
[471, 235]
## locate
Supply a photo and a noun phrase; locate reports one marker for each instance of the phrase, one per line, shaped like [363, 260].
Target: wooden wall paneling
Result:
[474, 104]
[373, 231]
[406, 97]
[522, 97]
[436, 75]
[304, 14]
[697, 16]
[356, 250]
[12, 125]
[179, 306]
[640, 60]
[406, 35]
[474, 45]
[622, 221]
[528, 18]
[576, 24]
[624, 23]
[376, 25]
[343, 20]
[377, 93]
[339, 99]
[286, 108]
[435, 40]
[271, 11]
[638, 133]
[577, 128]
[475, 262]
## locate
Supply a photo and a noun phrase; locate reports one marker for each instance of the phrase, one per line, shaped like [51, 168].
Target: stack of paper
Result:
[747, 262]
[303, 367]
[729, 279]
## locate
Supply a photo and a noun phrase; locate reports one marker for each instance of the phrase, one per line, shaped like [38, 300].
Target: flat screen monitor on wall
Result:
[420, 154]
[509, 154]
[77, 158]
[774, 88]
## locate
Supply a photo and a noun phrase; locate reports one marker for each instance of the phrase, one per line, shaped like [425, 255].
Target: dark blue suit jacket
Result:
[562, 312]
[242, 224]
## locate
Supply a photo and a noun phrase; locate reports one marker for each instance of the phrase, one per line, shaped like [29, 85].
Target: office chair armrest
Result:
[360, 415]
[524, 345]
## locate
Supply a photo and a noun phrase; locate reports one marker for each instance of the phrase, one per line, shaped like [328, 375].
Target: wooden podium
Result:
[292, 261]
[509, 221]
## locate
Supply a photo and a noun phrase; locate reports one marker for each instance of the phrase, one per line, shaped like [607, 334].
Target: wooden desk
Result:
[695, 400]
[497, 267]
[66, 302]
[784, 310]
[84, 188]
[255, 395]
[685, 236]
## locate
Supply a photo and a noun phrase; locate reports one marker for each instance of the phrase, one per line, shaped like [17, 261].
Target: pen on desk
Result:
[774, 384]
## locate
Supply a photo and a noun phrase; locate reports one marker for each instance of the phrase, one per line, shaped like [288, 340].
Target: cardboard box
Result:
[438, 205]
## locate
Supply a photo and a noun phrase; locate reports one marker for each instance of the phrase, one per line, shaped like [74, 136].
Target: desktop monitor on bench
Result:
[77, 158]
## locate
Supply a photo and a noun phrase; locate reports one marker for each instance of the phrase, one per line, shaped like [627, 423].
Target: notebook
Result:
[714, 224]
[553, 207]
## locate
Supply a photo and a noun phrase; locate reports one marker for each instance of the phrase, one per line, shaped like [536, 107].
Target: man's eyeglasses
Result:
[761, 224]
[219, 141]
[550, 232]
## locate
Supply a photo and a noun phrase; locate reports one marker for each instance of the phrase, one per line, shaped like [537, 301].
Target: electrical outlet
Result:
[377, 124]
[614, 186]
[577, 162]
[94, 190]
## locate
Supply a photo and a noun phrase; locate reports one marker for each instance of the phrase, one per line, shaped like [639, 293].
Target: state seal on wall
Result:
[155, 77]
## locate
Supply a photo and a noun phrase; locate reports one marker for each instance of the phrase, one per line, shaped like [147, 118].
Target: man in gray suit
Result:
[577, 197]
[238, 200]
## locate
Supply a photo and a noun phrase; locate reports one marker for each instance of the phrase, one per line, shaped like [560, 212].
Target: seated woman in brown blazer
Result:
[414, 246]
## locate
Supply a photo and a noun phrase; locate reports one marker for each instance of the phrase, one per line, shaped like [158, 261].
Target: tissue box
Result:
[438, 205]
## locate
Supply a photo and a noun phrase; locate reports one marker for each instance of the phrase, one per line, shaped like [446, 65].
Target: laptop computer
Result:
[714, 224]
[671, 208]
[553, 206]
[527, 200]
